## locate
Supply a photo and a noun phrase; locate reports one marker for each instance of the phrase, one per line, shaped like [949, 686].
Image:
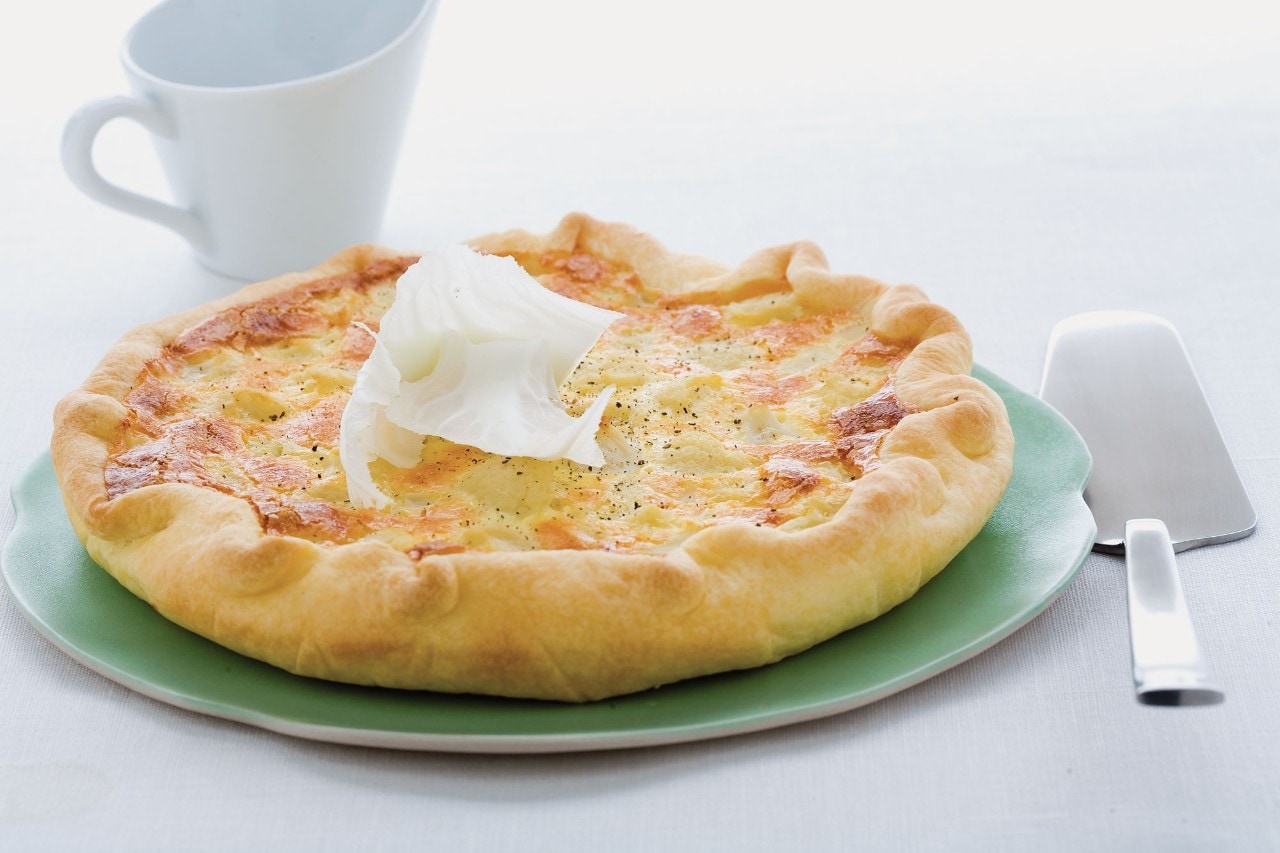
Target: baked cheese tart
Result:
[788, 452]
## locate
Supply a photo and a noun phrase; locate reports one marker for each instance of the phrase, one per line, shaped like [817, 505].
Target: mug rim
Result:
[132, 66]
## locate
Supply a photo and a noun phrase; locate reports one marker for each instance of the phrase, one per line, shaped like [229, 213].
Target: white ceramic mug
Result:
[277, 122]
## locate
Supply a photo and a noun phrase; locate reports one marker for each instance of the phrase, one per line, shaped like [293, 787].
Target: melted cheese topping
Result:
[750, 411]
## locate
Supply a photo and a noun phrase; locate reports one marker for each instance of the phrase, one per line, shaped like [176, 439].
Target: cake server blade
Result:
[1162, 481]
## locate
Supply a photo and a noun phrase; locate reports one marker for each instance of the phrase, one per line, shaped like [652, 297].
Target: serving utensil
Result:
[1163, 480]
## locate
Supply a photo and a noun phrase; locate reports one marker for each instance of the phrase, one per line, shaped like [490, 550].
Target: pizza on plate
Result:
[788, 452]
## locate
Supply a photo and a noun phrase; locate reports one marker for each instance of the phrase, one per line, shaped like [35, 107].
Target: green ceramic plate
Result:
[1018, 564]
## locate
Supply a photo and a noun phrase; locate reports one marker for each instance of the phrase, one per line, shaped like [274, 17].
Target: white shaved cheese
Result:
[473, 349]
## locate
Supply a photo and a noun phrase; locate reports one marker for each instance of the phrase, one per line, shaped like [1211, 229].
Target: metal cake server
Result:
[1162, 479]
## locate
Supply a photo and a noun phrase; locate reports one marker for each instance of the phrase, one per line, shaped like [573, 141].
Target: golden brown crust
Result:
[555, 623]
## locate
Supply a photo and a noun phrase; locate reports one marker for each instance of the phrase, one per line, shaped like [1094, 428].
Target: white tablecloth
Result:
[1020, 163]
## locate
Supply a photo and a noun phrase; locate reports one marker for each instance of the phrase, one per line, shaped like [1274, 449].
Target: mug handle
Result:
[77, 160]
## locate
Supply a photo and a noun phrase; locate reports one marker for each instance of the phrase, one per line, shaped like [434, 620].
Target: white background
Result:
[1020, 161]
